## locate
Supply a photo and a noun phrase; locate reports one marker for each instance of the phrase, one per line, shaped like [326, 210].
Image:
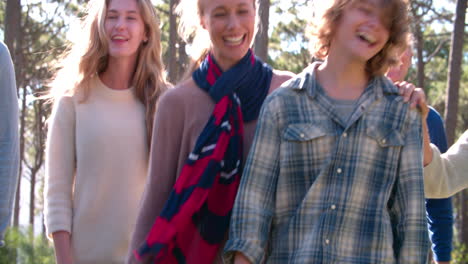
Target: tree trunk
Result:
[43, 231]
[454, 72]
[12, 25]
[38, 145]
[22, 132]
[261, 40]
[32, 200]
[463, 211]
[419, 43]
[172, 49]
[183, 59]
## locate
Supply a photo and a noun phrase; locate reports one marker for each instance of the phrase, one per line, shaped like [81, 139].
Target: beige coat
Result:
[447, 174]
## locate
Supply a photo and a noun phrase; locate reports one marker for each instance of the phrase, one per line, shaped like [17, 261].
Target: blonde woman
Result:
[104, 98]
[203, 130]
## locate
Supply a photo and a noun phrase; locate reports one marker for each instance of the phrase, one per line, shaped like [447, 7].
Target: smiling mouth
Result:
[119, 39]
[234, 41]
[364, 36]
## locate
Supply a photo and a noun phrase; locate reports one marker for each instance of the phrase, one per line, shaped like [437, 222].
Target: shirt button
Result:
[339, 170]
[302, 135]
[345, 134]
[383, 141]
[327, 241]
[333, 207]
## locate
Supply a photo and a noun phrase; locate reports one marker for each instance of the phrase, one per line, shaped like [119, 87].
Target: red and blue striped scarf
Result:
[195, 220]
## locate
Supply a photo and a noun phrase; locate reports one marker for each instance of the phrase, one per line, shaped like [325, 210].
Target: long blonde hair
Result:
[89, 55]
[191, 31]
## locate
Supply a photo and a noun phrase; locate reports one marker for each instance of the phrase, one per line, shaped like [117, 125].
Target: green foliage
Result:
[2, 16]
[288, 45]
[436, 73]
[436, 56]
[293, 61]
[22, 247]
[162, 10]
[460, 254]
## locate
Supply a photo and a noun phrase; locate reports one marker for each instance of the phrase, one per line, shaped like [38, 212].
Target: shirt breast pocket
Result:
[302, 132]
[304, 144]
[304, 149]
[384, 136]
[379, 155]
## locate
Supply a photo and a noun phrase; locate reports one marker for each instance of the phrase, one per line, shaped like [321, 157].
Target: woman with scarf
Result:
[204, 130]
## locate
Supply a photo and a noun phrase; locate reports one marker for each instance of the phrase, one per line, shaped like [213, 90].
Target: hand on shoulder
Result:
[415, 96]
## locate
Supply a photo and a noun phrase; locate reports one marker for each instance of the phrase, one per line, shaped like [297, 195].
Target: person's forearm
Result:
[62, 245]
[426, 145]
[440, 223]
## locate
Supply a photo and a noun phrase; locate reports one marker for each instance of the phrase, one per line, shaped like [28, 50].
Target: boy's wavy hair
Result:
[321, 31]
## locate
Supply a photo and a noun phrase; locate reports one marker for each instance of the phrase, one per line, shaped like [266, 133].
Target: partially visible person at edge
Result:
[104, 99]
[204, 129]
[9, 142]
[335, 171]
[445, 174]
[439, 212]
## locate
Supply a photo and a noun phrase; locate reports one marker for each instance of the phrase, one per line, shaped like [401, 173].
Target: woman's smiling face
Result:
[231, 26]
[124, 27]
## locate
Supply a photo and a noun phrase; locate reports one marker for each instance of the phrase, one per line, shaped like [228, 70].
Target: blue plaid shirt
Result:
[316, 189]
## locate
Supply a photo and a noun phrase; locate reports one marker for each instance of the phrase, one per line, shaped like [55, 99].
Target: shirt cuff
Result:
[57, 227]
[251, 250]
[444, 256]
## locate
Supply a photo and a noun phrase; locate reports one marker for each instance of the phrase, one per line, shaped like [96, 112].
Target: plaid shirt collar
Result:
[309, 83]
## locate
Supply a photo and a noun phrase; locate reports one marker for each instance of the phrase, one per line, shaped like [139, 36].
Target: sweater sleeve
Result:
[60, 167]
[9, 153]
[446, 174]
[439, 211]
[163, 162]
[440, 224]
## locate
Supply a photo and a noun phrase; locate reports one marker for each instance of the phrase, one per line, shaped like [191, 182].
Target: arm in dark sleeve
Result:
[439, 211]
[440, 220]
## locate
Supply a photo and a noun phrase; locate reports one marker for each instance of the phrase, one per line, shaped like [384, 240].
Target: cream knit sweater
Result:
[95, 171]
